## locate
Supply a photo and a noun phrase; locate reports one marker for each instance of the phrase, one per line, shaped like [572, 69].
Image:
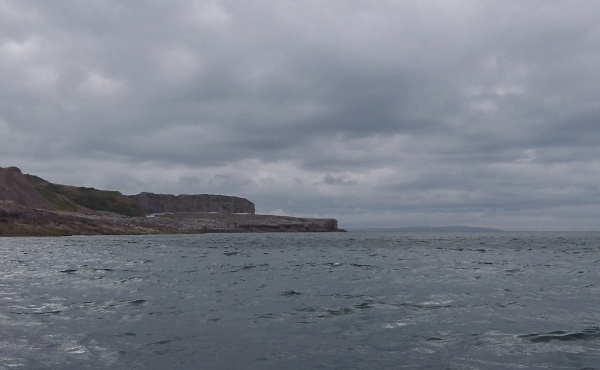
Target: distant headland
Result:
[32, 206]
[447, 229]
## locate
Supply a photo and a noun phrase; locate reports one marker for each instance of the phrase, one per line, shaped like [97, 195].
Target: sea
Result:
[355, 300]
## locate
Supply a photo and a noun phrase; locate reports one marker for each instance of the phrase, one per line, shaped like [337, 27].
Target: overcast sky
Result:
[377, 113]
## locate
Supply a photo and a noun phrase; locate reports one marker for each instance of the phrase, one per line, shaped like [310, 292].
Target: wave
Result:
[586, 334]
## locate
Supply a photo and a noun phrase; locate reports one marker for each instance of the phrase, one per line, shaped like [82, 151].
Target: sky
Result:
[378, 113]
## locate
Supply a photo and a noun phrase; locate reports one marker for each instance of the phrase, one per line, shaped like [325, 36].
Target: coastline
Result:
[18, 220]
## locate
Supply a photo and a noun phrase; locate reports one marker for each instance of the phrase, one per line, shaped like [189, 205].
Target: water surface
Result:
[298, 301]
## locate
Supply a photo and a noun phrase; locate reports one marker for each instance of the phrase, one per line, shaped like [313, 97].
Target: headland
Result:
[32, 206]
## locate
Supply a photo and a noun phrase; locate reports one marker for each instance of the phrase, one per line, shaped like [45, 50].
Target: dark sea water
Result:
[301, 301]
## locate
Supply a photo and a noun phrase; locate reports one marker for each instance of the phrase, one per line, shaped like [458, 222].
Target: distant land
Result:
[452, 229]
[32, 206]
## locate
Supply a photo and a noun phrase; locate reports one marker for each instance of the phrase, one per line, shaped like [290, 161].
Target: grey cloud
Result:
[339, 180]
[434, 109]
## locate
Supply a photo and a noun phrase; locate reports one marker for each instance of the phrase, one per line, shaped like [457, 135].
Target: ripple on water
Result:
[588, 334]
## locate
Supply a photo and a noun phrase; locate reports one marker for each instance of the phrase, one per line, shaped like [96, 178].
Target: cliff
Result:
[35, 192]
[162, 203]
[30, 205]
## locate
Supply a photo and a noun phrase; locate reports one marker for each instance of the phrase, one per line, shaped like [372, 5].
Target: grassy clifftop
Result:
[33, 191]
[66, 197]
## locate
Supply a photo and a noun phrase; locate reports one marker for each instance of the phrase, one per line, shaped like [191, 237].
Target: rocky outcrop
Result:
[236, 222]
[162, 203]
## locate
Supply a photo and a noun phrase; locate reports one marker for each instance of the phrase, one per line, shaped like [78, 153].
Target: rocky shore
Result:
[17, 220]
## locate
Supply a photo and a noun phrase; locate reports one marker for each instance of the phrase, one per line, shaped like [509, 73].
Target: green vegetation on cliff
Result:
[97, 200]
[35, 192]
[70, 198]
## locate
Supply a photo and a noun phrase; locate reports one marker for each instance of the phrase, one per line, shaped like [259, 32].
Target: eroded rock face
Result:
[161, 203]
[232, 222]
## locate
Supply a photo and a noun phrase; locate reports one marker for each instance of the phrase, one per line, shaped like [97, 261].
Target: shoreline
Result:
[17, 220]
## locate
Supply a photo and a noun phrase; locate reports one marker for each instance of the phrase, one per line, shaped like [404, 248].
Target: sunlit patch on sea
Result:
[301, 301]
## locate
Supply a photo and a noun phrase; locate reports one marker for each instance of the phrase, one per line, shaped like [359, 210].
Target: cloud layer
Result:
[379, 113]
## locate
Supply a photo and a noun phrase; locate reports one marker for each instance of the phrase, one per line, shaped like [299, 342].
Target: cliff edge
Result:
[162, 203]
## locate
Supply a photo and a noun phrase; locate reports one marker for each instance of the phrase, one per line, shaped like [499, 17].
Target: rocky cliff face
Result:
[161, 203]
